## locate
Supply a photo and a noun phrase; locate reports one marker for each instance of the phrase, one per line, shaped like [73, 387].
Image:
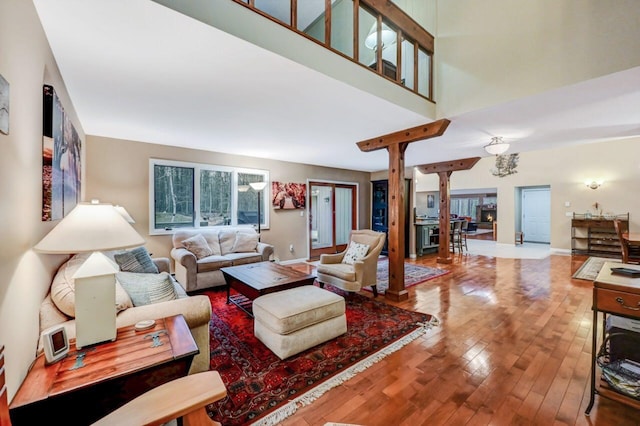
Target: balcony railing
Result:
[376, 34]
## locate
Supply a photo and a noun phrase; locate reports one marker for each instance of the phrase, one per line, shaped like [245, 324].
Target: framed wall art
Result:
[288, 195]
[61, 159]
[4, 106]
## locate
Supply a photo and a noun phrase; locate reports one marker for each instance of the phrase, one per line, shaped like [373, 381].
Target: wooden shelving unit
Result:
[596, 236]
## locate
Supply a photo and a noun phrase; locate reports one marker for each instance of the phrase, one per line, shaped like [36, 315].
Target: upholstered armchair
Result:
[351, 273]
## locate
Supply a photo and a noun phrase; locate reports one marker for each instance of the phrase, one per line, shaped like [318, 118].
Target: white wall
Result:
[565, 170]
[492, 51]
[26, 62]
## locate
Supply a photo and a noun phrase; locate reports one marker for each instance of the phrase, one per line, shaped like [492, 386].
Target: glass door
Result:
[332, 216]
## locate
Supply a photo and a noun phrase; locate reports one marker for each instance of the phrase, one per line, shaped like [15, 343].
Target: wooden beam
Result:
[448, 166]
[396, 144]
[425, 131]
[444, 170]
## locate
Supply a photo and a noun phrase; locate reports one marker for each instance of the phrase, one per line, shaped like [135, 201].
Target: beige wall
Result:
[565, 170]
[26, 62]
[493, 51]
[118, 173]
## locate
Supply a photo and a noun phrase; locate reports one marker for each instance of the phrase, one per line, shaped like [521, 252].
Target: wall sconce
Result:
[593, 184]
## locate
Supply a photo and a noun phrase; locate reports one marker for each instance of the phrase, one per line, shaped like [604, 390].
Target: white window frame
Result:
[197, 168]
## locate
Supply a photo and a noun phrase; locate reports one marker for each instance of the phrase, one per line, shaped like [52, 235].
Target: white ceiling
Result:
[138, 71]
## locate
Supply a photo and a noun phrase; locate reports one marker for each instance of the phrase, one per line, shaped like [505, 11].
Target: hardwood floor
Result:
[513, 348]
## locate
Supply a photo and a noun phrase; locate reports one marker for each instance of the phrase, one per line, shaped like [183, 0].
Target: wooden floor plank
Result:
[513, 348]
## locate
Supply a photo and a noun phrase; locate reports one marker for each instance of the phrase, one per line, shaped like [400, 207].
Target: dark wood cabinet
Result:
[380, 211]
[596, 236]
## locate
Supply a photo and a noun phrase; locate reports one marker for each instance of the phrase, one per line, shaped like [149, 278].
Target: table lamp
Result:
[91, 227]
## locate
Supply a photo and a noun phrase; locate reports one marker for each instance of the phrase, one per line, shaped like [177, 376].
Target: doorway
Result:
[536, 214]
[332, 215]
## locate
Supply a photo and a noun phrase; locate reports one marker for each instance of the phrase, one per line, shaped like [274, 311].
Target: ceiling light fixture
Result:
[593, 184]
[387, 35]
[496, 146]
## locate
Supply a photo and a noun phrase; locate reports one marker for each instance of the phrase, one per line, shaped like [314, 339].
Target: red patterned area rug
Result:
[264, 390]
[413, 274]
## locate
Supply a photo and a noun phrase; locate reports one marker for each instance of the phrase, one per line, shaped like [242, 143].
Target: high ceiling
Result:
[138, 71]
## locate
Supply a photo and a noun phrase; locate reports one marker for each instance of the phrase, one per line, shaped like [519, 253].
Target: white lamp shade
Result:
[497, 146]
[124, 213]
[258, 186]
[388, 36]
[90, 227]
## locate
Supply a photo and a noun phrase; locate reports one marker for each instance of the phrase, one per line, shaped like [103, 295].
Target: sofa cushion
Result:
[147, 289]
[213, 263]
[355, 252]
[244, 258]
[370, 240]
[344, 271]
[227, 239]
[63, 287]
[245, 243]
[198, 246]
[136, 260]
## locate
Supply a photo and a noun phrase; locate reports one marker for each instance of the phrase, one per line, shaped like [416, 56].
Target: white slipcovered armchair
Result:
[334, 269]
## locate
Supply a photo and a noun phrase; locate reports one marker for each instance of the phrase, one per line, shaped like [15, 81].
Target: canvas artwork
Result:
[431, 201]
[288, 195]
[61, 167]
[4, 106]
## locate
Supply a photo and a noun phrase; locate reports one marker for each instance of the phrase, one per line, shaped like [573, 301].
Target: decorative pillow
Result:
[63, 293]
[198, 246]
[355, 252]
[245, 243]
[136, 260]
[147, 289]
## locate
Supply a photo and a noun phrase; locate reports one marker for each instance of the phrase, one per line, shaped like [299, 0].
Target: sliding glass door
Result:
[332, 216]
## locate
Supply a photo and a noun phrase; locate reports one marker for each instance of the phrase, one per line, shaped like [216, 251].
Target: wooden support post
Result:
[444, 254]
[444, 170]
[396, 144]
[396, 290]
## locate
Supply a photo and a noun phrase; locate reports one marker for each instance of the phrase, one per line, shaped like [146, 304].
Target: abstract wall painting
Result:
[288, 195]
[61, 159]
[4, 106]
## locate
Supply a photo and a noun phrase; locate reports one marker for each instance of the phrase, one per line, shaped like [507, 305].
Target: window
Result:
[190, 195]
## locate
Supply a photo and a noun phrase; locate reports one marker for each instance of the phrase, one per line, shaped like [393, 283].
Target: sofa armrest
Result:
[195, 309]
[163, 264]
[184, 257]
[265, 250]
[331, 258]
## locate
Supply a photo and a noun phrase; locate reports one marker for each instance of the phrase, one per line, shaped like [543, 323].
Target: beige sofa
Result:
[195, 309]
[229, 246]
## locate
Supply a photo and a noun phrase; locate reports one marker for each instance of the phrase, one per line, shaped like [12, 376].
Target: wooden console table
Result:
[619, 295]
[92, 382]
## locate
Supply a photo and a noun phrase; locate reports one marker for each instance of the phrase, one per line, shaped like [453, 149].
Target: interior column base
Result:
[397, 296]
[446, 260]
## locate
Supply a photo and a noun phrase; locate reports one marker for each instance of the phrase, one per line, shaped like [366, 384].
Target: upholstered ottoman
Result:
[291, 321]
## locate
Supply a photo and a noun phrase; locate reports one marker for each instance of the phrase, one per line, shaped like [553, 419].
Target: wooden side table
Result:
[619, 295]
[92, 382]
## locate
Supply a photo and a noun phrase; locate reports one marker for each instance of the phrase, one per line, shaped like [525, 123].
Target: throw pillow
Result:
[198, 246]
[355, 252]
[245, 243]
[136, 260]
[147, 289]
[63, 288]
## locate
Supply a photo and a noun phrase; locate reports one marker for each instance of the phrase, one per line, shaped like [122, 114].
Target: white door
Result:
[536, 215]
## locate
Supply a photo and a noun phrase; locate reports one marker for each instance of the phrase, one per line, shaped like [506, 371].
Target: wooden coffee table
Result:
[255, 279]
